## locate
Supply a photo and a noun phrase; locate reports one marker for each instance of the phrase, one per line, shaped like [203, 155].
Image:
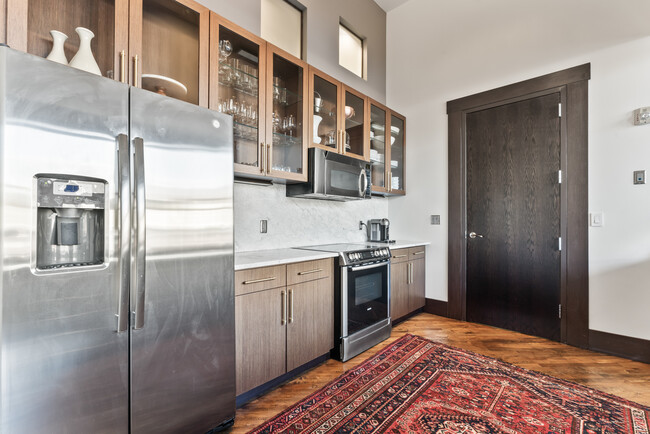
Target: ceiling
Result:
[388, 5]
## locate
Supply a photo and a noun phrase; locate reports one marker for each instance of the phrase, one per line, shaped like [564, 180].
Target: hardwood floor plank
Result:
[625, 378]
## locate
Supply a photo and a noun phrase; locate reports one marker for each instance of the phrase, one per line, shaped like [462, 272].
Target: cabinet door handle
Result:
[262, 157]
[268, 159]
[283, 317]
[399, 256]
[419, 253]
[265, 279]
[135, 70]
[411, 272]
[302, 273]
[290, 306]
[122, 66]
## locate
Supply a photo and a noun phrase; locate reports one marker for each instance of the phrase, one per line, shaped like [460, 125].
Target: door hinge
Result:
[559, 109]
[559, 311]
[559, 244]
[559, 177]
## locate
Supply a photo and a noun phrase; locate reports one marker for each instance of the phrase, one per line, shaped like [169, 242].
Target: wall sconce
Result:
[642, 116]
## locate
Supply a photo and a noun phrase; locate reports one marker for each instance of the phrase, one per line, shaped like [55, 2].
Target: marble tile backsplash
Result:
[298, 222]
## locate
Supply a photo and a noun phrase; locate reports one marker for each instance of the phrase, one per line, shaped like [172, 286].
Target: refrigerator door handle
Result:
[140, 234]
[124, 203]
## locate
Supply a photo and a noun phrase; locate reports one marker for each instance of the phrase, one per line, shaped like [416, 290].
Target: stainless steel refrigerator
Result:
[116, 226]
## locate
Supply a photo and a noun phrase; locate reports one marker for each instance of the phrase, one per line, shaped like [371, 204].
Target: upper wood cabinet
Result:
[387, 146]
[338, 116]
[159, 44]
[263, 88]
[170, 38]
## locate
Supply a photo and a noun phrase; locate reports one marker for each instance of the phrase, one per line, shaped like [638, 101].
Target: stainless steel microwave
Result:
[333, 177]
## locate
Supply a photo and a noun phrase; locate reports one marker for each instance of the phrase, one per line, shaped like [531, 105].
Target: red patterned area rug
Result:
[416, 386]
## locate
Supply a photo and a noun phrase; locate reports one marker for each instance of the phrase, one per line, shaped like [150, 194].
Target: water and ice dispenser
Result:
[70, 221]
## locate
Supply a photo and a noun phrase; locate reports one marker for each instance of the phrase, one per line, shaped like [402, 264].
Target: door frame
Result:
[572, 84]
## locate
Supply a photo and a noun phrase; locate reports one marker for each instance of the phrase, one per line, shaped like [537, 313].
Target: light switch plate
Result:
[596, 219]
[435, 219]
[263, 226]
[639, 176]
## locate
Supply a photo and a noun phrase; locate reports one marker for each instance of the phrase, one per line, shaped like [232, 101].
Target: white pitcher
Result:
[84, 59]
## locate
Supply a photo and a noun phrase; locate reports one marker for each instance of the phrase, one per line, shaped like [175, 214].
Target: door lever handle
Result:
[475, 235]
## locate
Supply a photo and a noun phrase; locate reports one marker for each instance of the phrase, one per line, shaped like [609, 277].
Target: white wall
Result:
[443, 50]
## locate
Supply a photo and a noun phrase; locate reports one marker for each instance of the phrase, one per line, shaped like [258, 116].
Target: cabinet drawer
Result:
[309, 270]
[399, 255]
[416, 253]
[258, 279]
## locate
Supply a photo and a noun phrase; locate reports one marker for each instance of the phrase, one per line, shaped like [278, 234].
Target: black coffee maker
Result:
[378, 230]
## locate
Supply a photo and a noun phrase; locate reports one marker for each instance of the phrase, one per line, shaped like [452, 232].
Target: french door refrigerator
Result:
[116, 226]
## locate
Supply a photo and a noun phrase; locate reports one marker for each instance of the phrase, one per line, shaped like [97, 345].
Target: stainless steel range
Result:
[362, 297]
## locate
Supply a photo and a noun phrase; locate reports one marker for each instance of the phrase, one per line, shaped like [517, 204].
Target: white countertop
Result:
[267, 258]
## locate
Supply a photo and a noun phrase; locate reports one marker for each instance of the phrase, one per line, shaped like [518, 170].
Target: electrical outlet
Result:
[263, 226]
[435, 219]
[639, 176]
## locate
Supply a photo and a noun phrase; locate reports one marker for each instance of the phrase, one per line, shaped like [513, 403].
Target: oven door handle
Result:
[368, 267]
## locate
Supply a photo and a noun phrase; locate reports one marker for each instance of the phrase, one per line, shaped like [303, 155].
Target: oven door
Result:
[348, 180]
[365, 298]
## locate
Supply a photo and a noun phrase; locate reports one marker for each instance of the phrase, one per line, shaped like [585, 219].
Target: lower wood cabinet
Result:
[407, 281]
[281, 328]
[310, 327]
[260, 338]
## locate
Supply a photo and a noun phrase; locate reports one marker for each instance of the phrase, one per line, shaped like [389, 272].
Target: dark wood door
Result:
[513, 202]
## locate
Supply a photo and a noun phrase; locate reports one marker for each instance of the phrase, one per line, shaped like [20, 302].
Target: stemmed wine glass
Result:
[225, 49]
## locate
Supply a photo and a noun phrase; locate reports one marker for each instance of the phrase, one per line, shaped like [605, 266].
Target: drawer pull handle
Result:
[419, 253]
[302, 273]
[399, 256]
[266, 279]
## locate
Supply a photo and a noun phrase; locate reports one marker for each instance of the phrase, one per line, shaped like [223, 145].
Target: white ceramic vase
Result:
[84, 59]
[317, 121]
[57, 54]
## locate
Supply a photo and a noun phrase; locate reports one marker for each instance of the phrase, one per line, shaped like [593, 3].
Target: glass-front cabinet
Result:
[324, 111]
[286, 113]
[354, 109]
[397, 170]
[160, 45]
[238, 72]
[264, 89]
[378, 151]
[338, 116]
[387, 150]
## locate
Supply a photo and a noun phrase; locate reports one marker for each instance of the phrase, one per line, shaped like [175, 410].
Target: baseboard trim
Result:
[436, 307]
[266, 387]
[618, 345]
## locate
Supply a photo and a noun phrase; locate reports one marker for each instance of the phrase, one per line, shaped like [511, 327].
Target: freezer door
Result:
[183, 348]
[64, 366]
